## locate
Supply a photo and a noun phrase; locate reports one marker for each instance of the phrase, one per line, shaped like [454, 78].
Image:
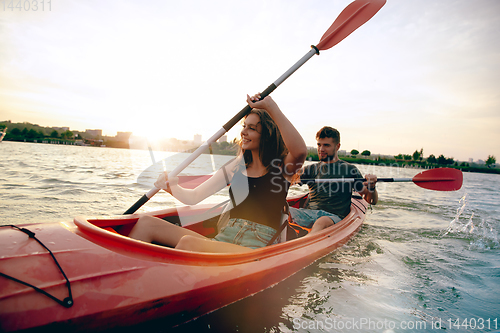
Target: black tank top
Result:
[265, 200]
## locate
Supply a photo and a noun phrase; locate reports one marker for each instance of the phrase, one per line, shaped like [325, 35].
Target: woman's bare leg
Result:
[190, 243]
[152, 229]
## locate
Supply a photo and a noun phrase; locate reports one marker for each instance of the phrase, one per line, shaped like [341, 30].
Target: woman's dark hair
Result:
[271, 147]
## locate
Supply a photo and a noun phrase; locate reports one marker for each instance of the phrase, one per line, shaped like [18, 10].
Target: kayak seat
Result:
[110, 229]
[288, 230]
[299, 230]
[293, 230]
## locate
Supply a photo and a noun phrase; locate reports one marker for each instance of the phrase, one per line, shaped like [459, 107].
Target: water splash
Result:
[457, 225]
[481, 233]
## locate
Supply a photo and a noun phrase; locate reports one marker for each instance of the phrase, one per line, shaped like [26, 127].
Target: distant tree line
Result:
[30, 132]
[16, 134]
[26, 132]
[416, 159]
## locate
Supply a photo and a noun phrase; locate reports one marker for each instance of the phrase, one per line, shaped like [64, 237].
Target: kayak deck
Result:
[118, 281]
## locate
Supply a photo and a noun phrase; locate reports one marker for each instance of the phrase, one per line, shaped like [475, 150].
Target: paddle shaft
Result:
[386, 180]
[352, 17]
[270, 89]
[352, 180]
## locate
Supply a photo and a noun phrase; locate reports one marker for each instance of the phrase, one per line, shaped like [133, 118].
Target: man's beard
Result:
[327, 158]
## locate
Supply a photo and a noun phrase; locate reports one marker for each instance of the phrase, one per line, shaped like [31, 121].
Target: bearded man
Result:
[330, 202]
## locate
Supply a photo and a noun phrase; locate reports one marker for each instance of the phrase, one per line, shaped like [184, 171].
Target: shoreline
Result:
[365, 161]
[419, 165]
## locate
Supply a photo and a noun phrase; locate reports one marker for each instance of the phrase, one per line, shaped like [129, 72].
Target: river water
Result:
[424, 260]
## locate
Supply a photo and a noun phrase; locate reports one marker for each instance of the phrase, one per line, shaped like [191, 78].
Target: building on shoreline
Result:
[94, 133]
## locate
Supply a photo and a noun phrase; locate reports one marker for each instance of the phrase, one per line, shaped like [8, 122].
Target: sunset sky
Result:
[419, 74]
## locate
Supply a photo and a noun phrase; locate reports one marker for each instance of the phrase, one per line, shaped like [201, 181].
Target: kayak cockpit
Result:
[112, 233]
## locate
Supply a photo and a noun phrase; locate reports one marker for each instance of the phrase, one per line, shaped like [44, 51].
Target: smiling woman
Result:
[271, 153]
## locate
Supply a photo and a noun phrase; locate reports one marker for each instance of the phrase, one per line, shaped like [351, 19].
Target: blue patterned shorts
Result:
[245, 233]
[307, 217]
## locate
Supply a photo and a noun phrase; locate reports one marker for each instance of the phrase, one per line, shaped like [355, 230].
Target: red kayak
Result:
[109, 280]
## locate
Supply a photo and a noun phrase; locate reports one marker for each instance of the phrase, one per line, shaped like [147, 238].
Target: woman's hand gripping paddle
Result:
[352, 17]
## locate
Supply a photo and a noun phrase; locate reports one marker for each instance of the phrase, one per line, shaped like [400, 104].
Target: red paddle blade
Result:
[441, 179]
[352, 17]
